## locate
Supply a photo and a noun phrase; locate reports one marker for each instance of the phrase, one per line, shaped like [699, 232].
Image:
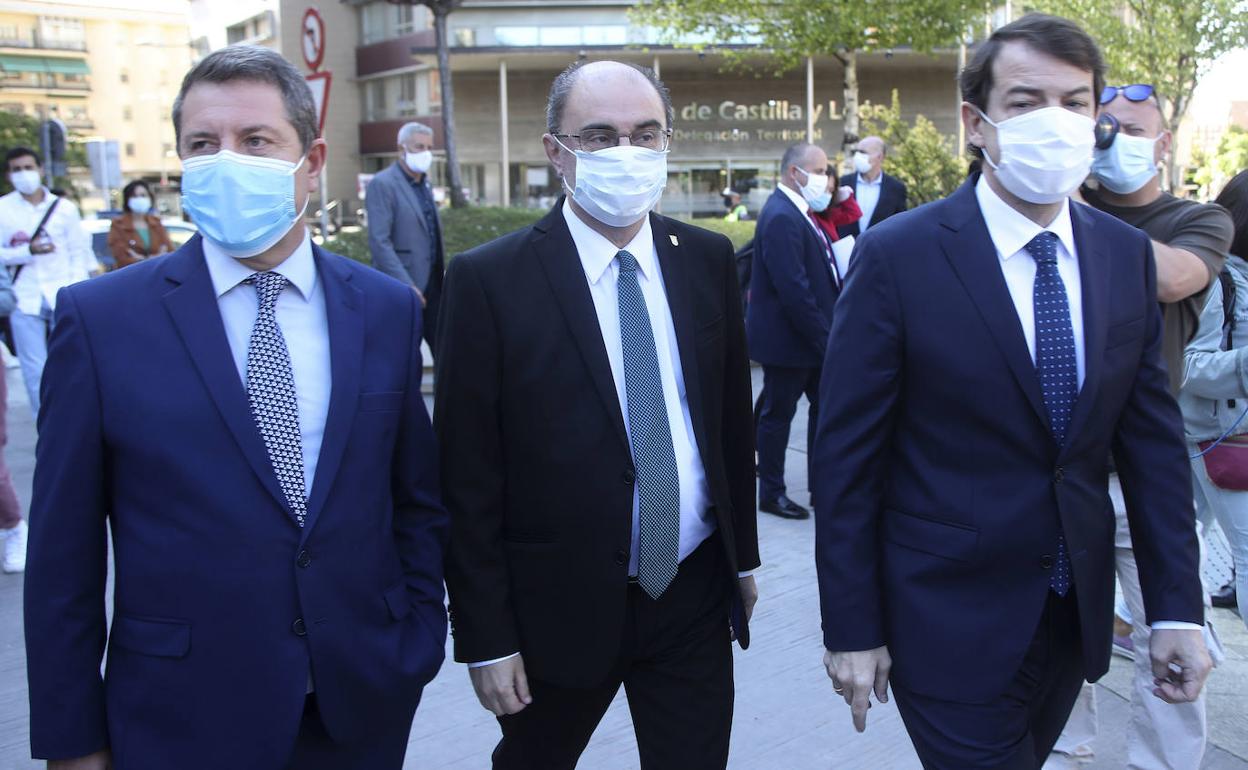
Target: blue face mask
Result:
[243, 204]
[1127, 164]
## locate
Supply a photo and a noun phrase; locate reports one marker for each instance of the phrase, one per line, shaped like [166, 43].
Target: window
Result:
[385, 21]
[61, 33]
[408, 104]
[127, 113]
[125, 76]
[129, 149]
[376, 107]
[517, 36]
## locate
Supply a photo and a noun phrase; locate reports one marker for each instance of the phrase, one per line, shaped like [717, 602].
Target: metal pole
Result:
[657, 71]
[324, 203]
[45, 136]
[810, 99]
[503, 133]
[957, 87]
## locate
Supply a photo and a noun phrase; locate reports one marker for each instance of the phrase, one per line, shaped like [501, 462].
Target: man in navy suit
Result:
[793, 286]
[245, 416]
[1004, 341]
[879, 195]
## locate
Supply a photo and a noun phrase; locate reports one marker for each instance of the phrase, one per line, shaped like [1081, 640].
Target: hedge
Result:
[462, 229]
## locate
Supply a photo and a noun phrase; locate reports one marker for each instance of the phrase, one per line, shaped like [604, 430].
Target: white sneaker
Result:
[14, 548]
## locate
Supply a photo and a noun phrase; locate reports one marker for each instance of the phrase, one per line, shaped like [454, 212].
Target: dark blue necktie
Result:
[1055, 363]
[658, 483]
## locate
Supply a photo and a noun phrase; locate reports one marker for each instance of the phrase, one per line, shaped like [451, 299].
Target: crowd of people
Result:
[243, 416]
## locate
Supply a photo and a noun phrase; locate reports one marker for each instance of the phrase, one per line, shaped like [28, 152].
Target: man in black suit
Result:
[593, 402]
[879, 195]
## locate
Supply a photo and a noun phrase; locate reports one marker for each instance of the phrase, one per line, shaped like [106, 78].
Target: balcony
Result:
[32, 39]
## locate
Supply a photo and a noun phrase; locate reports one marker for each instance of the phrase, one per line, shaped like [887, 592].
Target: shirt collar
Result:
[1010, 231]
[878, 180]
[227, 272]
[796, 197]
[597, 253]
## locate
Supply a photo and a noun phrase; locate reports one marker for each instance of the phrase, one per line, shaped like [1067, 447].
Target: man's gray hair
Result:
[561, 89]
[408, 129]
[795, 155]
[259, 65]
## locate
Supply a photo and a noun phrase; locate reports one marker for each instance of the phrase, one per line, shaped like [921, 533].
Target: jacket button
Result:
[304, 559]
[299, 628]
[1058, 474]
[629, 476]
[621, 557]
[1046, 562]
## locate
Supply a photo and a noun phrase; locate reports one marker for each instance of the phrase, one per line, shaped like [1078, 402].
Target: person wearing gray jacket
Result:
[404, 234]
[1214, 395]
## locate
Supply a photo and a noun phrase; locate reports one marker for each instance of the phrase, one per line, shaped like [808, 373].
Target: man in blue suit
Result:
[1003, 341]
[245, 415]
[793, 286]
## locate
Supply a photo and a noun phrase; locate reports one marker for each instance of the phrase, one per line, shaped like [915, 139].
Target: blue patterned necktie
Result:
[271, 394]
[658, 483]
[1055, 363]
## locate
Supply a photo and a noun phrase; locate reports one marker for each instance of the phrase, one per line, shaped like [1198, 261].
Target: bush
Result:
[737, 232]
[919, 155]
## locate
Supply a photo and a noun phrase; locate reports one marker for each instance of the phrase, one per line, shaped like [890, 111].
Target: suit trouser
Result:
[1017, 729]
[10, 508]
[782, 387]
[675, 662]
[30, 335]
[382, 749]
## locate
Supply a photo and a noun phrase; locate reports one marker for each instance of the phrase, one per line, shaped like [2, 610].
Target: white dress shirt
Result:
[868, 195]
[1010, 232]
[300, 313]
[43, 275]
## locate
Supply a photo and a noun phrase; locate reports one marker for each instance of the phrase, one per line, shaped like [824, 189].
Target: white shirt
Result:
[43, 275]
[868, 195]
[1010, 232]
[300, 313]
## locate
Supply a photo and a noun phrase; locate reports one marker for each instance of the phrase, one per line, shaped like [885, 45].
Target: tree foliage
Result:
[1230, 158]
[23, 131]
[918, 154]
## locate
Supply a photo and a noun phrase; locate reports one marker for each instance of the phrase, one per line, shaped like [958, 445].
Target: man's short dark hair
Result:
[1052, 35]
[561, 89]
[259, 65]
[21, 152]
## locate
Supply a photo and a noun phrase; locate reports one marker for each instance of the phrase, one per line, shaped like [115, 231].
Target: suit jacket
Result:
[792, 288]
[223, 605]
[892, 201]
[398, 236]
[538, 473]
[941, 489]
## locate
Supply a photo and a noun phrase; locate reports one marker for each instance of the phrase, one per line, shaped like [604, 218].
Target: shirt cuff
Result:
[1176, 625]
[747, 573]
[492, 662]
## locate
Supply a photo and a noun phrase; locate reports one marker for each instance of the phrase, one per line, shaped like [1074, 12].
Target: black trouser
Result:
[1016, 730]
[675, 663]
[782, 387]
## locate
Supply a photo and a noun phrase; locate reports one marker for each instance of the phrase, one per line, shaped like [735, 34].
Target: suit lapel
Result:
[969, 249]
[1094, 285]
[192, 304]
[561, 264]
[345, 315]
[676, 282]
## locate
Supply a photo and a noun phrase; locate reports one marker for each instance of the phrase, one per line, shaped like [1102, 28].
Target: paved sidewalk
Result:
[786, 715]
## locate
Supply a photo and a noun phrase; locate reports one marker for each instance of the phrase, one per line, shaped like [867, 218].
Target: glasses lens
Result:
[1109, 94]
[1105, 132]
[1138, 92]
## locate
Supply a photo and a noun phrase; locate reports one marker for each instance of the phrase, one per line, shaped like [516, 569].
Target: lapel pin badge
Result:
[675, 240]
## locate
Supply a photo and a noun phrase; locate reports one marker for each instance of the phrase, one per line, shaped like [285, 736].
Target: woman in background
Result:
[137, 234]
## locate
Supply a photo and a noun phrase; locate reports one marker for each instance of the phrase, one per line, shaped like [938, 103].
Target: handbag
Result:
[1226, 462]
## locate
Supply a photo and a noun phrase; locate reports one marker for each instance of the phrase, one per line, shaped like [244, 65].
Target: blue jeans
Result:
[30, 334]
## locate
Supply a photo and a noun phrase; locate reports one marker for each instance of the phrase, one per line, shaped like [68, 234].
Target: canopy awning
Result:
[14, 64]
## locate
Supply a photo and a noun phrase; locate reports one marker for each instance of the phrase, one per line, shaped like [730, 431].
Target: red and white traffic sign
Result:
[313, 39]
[319, 83]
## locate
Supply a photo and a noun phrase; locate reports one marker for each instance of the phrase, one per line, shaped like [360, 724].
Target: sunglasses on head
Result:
[1134, 93]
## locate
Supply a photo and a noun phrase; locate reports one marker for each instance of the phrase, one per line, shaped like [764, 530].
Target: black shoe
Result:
[784, 508]
[1224, 597]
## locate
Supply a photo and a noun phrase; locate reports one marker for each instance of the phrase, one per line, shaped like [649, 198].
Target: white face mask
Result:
[140, 204]
[418, 162]
[1128, 164]
[618, 185]
[25, 181]
[1045, 154]
[862, 162]
[815, 191]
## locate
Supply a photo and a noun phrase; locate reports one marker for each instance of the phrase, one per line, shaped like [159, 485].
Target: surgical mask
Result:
[1045, 154]
[815, 191]
[140, 204]
[1127, 164]
[25, 181]
[618, 185]
[243, 204]
[862, 162]
[418, 161]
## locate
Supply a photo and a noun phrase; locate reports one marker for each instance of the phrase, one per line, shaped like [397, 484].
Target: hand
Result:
[421, 295]
[41, 247]
[749, 597]
[100, 760]
[843, 193]
[1180, 663]
[855, 674]
[502, 687]
[136, 256]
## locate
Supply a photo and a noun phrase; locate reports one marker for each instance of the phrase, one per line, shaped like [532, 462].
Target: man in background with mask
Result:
[593, 411]
[1190, 241]
[252, 429]
[44, 245]
[793, 288]
[1006, 340]
[879, 195]
[404, 235]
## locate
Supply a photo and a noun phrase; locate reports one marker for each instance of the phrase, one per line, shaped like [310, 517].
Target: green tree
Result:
[1168, 43]
[441, 9]
[918, 154]
[792, 30]
[1210, 172]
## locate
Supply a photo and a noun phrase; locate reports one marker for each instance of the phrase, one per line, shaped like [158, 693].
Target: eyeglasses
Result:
[1134, 93]
[595, 139]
